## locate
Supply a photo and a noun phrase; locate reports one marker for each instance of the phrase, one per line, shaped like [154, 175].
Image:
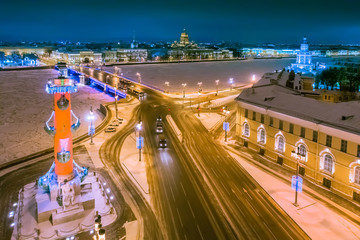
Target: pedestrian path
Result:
[316, 219]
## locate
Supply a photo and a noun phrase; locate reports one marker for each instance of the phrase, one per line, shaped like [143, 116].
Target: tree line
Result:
[344, 78]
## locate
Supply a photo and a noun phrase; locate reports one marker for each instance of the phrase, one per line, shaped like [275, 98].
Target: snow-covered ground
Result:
[25, 106]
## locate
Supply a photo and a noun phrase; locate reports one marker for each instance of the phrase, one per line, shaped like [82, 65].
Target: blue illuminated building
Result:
[303, 59]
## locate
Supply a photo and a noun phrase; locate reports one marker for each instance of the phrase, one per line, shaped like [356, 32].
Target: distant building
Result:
[78, 56]
[279, 123]
[109, 56]
[303, 59]
[184, 42]
[268, 52]
[186, 50]
[125, 55]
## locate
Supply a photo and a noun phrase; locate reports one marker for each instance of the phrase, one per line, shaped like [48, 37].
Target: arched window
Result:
[357, 175]
[261, 135]
[328, 163]
[302, 150]
[279, 142]
[246, 130]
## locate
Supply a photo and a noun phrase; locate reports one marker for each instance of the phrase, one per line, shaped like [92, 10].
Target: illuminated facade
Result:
[275, 121]
[76, 57]
[303, 59]
[268, 52]
[186, 50]
[184, 42]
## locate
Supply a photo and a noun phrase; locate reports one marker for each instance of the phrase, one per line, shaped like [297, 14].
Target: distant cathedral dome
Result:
[184, 41]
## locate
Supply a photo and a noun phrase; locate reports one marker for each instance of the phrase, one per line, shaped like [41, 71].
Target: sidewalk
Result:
[316, 219]
[135, 169]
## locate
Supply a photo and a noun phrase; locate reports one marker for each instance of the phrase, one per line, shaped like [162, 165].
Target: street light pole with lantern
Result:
[91, 117]
[226, 125]
[140, 139]
[183, 85]
[199, 93]
[139, 77]
[217, 87]
[231, 81]
[167, 86]
[297, 180]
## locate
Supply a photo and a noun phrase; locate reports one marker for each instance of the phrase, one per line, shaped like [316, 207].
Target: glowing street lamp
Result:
[200, 84]
[253, 78]
[139, 77]
[231, 81]
[298, 156]
[116, 109]
[217, 87]
[167, 86]
[225, 124]
[91, 117]
[139, 140]
[183, 85]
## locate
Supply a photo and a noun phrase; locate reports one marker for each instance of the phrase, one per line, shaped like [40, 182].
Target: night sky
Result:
[255, 21]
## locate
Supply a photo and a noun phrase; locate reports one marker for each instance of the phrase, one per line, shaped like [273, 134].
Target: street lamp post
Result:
[231, 81]
[225, 124]
[253, 78]
[139, 77]
[116, 108]
[200, 89]
[140, 139]
[199, 104]
[91, 117]
[184, 86]
[167, 86]
[297, 155]
[217, 87]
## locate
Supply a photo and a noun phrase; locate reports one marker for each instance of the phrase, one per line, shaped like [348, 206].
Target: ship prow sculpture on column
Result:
[61, 196]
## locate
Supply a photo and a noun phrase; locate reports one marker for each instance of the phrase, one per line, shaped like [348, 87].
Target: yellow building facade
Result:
[275, 128]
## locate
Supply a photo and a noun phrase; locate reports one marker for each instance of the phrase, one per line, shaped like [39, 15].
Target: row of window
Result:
[327, 163]
[343, 146]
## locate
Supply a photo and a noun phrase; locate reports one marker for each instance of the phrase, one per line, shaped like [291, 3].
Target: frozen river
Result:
[205, 72]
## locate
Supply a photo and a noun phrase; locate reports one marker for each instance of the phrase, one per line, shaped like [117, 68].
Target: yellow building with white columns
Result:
[277, 122]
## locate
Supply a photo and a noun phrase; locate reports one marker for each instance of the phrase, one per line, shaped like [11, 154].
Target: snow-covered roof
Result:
[344, 115]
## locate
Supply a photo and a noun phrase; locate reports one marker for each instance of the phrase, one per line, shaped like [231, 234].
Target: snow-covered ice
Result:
[25, 106]
[206, 72]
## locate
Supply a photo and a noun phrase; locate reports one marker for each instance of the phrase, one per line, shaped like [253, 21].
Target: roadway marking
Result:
[172, 194]
[225, 188]
[179, 217]
[183, 188]
[192, 212]
[269, 230]
[200, 231]
[253, 208]
[247, 193]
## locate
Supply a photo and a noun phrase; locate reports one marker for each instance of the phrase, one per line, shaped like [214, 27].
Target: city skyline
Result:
[324, 22]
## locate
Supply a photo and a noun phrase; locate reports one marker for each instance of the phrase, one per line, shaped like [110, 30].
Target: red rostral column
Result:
[62, 88]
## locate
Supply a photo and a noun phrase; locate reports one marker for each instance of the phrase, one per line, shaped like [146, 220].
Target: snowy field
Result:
[25, 106]
[205, 72]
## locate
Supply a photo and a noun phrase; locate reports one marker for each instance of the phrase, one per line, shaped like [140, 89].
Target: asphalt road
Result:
[198, 190]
